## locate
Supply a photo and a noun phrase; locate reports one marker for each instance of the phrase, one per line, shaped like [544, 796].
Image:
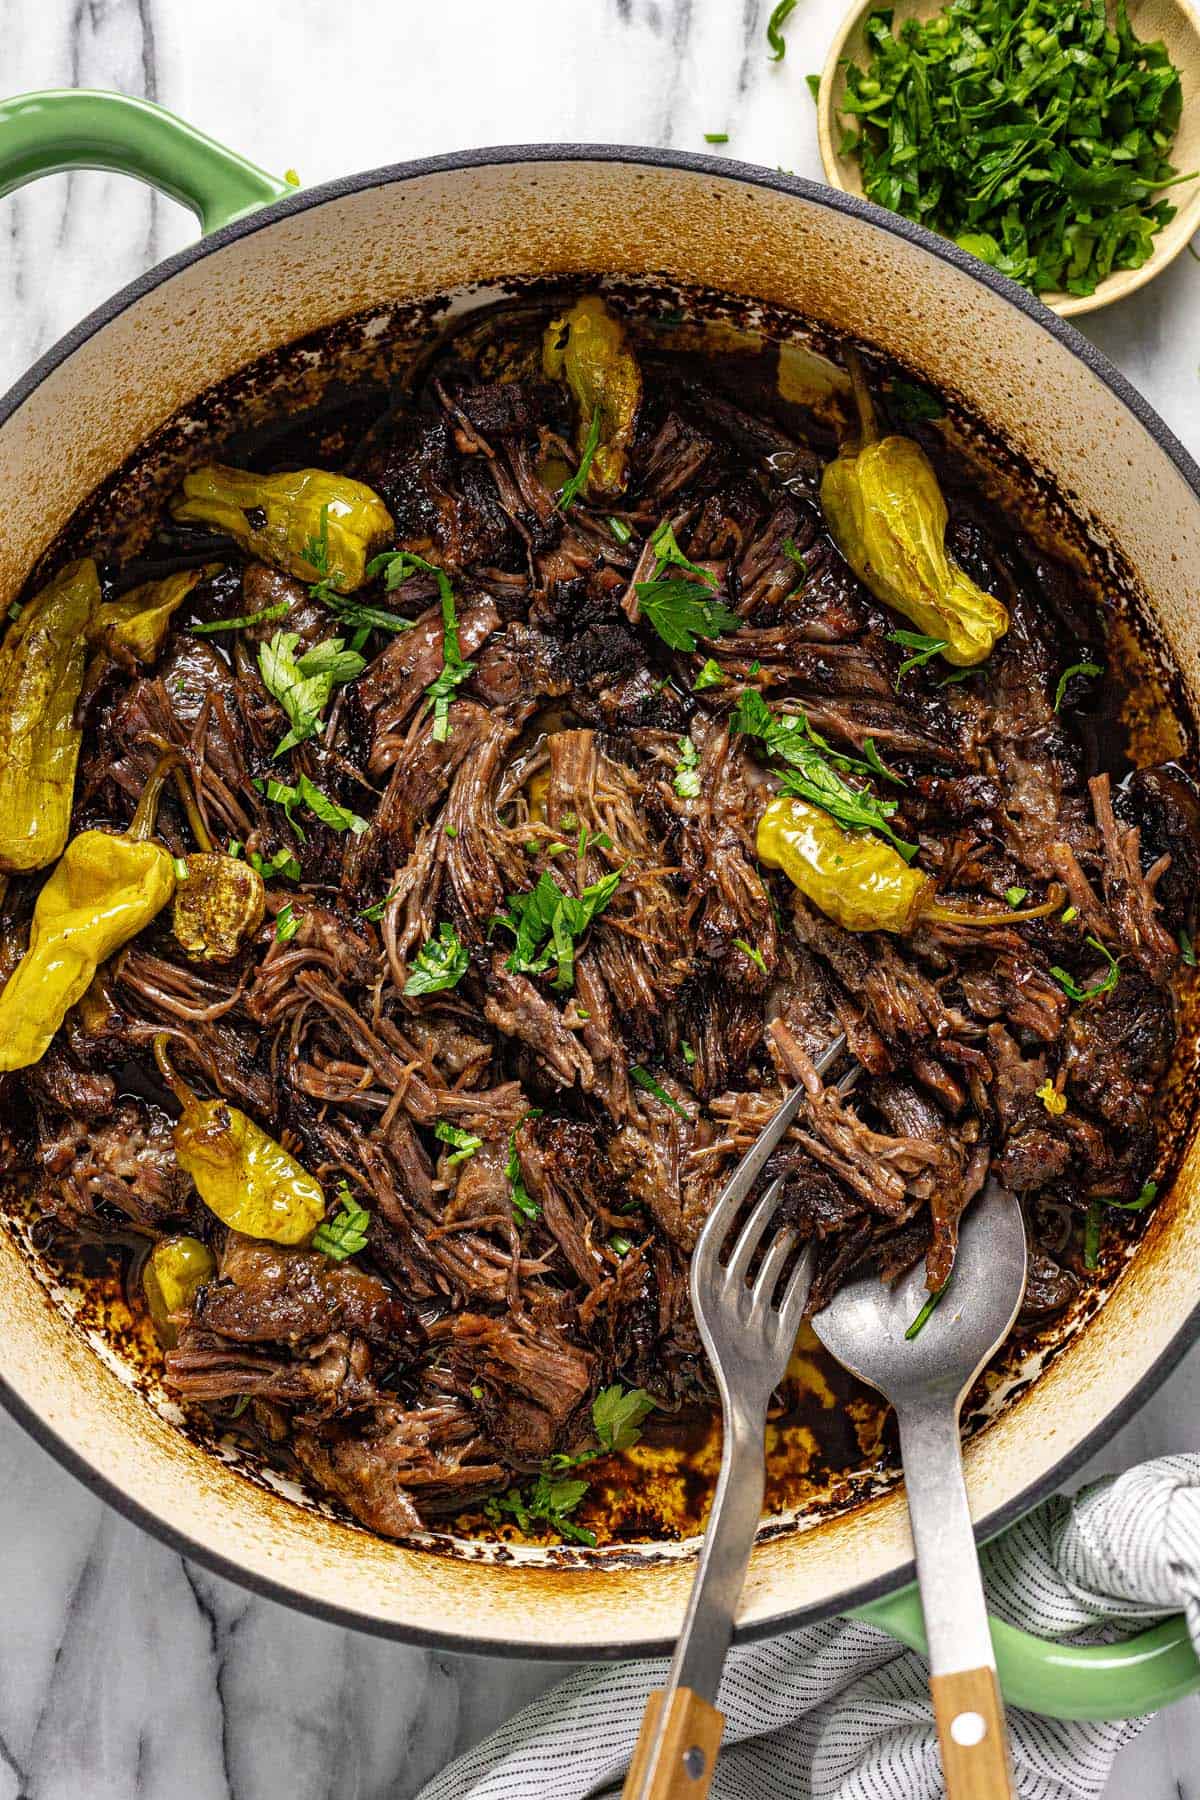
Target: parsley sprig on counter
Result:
[1030, 131]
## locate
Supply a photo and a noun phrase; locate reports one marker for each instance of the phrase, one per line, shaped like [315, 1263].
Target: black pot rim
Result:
[749, 174]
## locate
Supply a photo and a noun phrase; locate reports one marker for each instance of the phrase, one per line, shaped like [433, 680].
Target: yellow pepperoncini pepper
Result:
[248, 1180]
[858, 881]
[315, 525]
[173, 1271]
[104, 890]
[132, 628]
[587, 348]
[42, 663]
[885, 509]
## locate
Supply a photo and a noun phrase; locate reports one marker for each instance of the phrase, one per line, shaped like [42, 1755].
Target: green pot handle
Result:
[72, 128]
[1068, 1681]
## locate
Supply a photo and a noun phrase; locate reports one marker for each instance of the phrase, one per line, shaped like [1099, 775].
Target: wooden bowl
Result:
[1174, 21]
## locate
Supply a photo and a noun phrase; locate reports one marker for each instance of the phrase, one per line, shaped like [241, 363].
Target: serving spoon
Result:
[748, 1305]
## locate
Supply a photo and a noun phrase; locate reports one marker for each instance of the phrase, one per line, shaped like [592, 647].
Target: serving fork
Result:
[748, 1308]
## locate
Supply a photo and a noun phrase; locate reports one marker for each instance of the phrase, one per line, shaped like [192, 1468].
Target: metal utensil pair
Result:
[749, 1306]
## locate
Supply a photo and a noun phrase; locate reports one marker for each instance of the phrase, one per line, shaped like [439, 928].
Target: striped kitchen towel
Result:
[838, 1711]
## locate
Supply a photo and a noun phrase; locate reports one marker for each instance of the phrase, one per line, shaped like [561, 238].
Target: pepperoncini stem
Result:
[131, 629]
[169, 1073]
[145, 818]
[587, 348]
[315, 525]
[868, 424]
[856, 879]
[42, 663]
[953, 915]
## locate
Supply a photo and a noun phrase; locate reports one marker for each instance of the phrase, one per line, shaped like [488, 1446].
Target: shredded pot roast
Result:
[427, 872]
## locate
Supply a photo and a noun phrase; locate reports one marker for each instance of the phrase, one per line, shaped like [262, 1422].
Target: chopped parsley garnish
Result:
[547, 923]
[620, 530]
[753, 952]
[303, 685]
[264, 616]
[687, 770]
[716, 137]
[316, 549]
[1015, 895]
[796, 555]
[377, 908]
[689, 1055]
[645, 1079]
[345, 1234]
[710, 676]
[677, 605]
[574, 487]
[523, 1202]
[1146, 1197]
[307, 793]
[923, 1316]
[282, 863]
[1080, 668]
[1186, 949]
[617, 1416]
[924, 648]
[1091, 1235]
[441, 963]
[910, 403]
[397, 566]
[464, 1144]
[775, 24]
[286, 924]
[619, 1244]
[1037, 136]
[1071, 987]
[812, 769]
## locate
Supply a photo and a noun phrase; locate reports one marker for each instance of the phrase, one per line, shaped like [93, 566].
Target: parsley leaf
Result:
[1105, 986]
[812, 769]
[687, 770]
[523, 1202]
[924, 649]
[778, 19]
[282, 863]
[397, 566]
[286, 924]
[710, 676]
[1186, 949]
[573, 487]
[548, 921]
[441, 962]
[1147, 1196]
[463, 1143]
[617, 1414]
[677, 606]
[377, 908]
[753, 952]
[1015, 895]
[303, 685]
[345, 1234]
[1081, 668]
[909, 402]
[550, 1501]
[645, 1079]
[307, 793]
[620, 530]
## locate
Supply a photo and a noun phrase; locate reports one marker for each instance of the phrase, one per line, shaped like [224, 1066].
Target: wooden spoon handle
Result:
[687, 1751]
[971, 1730]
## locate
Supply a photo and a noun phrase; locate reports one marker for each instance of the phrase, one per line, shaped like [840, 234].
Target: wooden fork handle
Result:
[687, 1753]
[971, 1731]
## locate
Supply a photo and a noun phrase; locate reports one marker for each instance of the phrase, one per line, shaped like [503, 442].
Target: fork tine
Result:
[751, 1165]
[772, 1266]
[750, 1236]
[795, 1294]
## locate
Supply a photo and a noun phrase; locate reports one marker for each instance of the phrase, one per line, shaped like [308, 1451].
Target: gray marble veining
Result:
[124, 1672]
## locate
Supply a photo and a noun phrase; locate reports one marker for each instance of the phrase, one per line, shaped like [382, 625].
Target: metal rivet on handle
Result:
[693, 1763]
[968, 1728]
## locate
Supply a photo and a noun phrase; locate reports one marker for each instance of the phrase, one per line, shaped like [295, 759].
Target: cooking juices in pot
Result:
[491, 796]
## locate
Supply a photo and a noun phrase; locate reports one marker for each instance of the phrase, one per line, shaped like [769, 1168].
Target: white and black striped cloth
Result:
[839, 1712]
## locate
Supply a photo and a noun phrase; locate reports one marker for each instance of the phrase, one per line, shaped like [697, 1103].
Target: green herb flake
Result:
[910, 403]
[813, 766]
[264, 616]
[547, 923]
[1015, 895]
[689, 1055]
[1079, 668]
[716, 137]
[753, 952]
[303, 685]
[1071, 987]
[687, 770]
[677, 606]
[645, 1079]
[775, 24]
[620, 530]
[710, 676]
[286, 924]
[1037, 137]
[396, 567]
[523, 1202]
[281, 863]
[574, 487]
[345, 1234]
[377, 908]
[922, 1317]
[617, 1414]
[1147, 1196]
[1186, 949]
[464, 1144]
[307, 793]
[619, 1244]
[1091, 1235]
[549, 1501]
[924, 648]
[441, 963]
[179, 863]
[813, 83]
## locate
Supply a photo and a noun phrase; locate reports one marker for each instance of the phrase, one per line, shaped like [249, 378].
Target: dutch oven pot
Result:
[277, 265]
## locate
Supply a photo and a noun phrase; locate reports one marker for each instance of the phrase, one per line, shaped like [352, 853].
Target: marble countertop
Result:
[124, 1671]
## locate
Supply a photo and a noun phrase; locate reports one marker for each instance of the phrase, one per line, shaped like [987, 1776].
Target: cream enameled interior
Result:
[426, 236]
